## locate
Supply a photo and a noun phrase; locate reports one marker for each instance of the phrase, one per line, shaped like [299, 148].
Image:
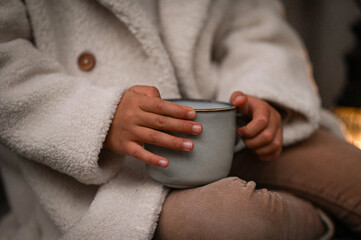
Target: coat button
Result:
[86, 61]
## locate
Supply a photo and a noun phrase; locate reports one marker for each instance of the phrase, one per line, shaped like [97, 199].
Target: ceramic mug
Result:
[212, 155]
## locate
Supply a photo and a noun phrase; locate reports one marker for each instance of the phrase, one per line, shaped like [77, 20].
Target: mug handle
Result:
[241, 120]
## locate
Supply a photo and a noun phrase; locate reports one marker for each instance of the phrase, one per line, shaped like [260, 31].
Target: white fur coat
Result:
[54, 117]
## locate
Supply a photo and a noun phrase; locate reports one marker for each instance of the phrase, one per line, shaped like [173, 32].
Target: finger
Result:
[267, 136]
[163, 107]
[259, 122]
[138, 152]
[144, 90]
[271, 156]
[261, 140]
[158, 138]
[160, 122]
[274, 146]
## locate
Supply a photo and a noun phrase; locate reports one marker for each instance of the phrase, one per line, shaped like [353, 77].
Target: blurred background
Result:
[331, 30]
[325, 27]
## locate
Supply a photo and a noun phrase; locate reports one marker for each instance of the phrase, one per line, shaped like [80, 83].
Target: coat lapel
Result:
[181, 24]
[131, 13]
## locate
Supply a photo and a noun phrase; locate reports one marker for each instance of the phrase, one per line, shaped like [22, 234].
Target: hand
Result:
[264, 133]
[140, 112]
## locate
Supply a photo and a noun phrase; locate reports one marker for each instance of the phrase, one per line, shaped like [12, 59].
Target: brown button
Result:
[86, 61]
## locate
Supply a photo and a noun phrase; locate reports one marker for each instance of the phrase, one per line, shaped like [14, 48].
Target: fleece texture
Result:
[54, 117]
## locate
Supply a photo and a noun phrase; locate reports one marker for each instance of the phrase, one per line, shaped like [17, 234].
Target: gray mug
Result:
[212, 155]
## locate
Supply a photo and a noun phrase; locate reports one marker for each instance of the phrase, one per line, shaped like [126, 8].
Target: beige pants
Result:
[323, 170]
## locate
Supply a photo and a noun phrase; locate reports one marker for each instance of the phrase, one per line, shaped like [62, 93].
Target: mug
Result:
[212, 154]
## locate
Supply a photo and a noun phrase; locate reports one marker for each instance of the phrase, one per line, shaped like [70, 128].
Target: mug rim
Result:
[230, 106]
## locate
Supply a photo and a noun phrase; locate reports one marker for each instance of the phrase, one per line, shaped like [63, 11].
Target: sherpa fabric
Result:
[54, 117]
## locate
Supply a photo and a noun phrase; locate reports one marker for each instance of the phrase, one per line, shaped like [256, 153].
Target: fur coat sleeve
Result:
[262, 56]
[47, 115]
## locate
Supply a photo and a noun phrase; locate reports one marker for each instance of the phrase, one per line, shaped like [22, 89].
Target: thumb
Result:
[239, 99]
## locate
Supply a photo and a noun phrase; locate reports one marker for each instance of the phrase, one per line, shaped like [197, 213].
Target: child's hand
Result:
[138, 114]
[264, 133]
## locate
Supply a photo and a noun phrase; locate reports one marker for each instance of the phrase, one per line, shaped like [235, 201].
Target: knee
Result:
[227, 209]
[259, 213]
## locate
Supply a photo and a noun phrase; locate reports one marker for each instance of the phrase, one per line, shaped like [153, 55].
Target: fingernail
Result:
[191, 114]
[238, 98]
[163, 163]
[187, 145]
[197, 129]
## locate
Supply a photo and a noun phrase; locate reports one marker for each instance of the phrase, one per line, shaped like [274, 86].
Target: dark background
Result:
[325, 27]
